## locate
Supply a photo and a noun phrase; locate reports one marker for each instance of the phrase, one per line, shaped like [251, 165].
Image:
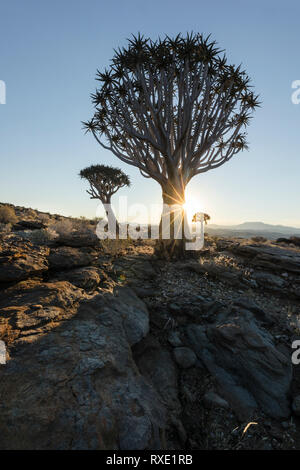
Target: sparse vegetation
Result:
[259, 239]
[5, 227]
[8, 215]
[63, 227]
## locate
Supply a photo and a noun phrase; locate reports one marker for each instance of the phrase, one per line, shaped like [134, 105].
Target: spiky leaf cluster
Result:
[174, 104]
[104, 181]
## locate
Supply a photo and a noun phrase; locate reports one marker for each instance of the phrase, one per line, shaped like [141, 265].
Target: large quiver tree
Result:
[173, 108]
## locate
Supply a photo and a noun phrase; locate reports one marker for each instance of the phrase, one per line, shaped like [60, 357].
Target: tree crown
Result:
[174, 103]
[104, 180]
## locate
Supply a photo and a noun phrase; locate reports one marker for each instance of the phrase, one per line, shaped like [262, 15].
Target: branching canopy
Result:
[104, 181]
[172, 106]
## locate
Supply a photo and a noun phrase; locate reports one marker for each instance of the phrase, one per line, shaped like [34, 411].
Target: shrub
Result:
[44, 218]
[259, 239]
[7, 215]
[5, 228]
[62, 227]
[40, 237]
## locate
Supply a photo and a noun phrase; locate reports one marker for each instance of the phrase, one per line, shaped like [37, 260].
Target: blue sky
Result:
[49, 55]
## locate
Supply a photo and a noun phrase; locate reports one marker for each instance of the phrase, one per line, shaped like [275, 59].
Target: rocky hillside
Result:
[111, 348]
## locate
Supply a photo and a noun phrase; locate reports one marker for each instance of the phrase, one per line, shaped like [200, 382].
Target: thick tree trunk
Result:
[173, 228]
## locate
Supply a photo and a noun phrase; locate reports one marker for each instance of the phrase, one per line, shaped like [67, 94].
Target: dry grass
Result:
[8, 215]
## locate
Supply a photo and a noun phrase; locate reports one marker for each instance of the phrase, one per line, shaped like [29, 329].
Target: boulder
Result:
[65, 257]
[250, 371]
[156, 364]
[20, 259]
[78, 239]
[28, 225]
[174, 338]
[184, 357]
[268, 280]
[30, 308]
[87, 278]
[76, 385]
[273, 258]
[134, 314]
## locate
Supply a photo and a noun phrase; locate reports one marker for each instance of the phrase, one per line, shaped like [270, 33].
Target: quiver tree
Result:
[199, 216]
[105, 181]
[173, 108]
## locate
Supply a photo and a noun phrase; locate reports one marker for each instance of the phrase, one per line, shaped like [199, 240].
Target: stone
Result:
[184, 357]
[269, 280]
[273, 258]
[69, 258]
[174, 339]
[28, 225]
[249, 370]
[219, 272]
[156, 364]
[134, 314]
[35, 306]
[143, 292]
[87, 278]
[75, 386]
[296, 405]
[259, 313]
[20, 259]
[79, 239]
[212, 399]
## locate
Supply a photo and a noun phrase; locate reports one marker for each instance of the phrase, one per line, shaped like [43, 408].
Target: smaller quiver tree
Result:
[104, 182]
[198, 217]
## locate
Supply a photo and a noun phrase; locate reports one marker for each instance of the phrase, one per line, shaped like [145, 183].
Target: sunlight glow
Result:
[191, 206]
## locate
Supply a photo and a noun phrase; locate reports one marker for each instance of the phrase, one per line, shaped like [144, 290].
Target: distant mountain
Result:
[249, 229]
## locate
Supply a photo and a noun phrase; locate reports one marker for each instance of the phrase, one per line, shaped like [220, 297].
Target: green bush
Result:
[7, 215]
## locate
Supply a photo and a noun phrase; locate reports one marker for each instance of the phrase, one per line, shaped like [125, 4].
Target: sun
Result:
[191, 206]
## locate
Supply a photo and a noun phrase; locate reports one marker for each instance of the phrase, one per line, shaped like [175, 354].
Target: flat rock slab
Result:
[157, 365]
[274, 258]
[87, 278]
[65, 257]
[31, 308]
[20, 259]
[250, 371]
[77, 387]
[77, 239]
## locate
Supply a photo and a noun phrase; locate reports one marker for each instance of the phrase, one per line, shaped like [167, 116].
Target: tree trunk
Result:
[173, 227]
[112, 220]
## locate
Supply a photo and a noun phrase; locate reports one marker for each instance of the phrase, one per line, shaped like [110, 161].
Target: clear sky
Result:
[50, 51]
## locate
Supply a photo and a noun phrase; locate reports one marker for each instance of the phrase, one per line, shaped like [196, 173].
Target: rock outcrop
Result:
[250, 371]
[73, 384]
[109, 348]
[20, 259]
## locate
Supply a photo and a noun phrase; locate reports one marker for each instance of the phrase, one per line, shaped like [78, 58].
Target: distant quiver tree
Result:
[199, 216]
